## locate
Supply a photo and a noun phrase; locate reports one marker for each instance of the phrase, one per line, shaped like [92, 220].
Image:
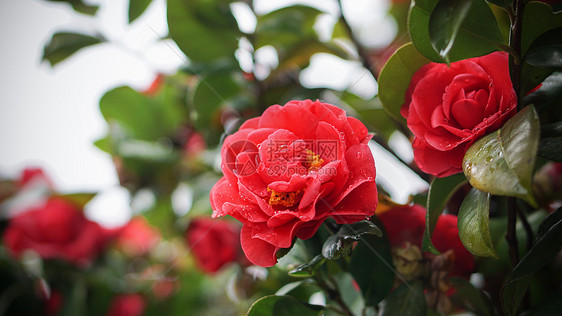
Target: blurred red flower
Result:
[289, 170]
[57, 229]
[407, 224]
[448, 108]
[34, 175]
[214, 243]
[127, 305]
[137, 237]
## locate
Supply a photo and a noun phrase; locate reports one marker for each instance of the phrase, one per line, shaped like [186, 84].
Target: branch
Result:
[511, 236]
[515, 44]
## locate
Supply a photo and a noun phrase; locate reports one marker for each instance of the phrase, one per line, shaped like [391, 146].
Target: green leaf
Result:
[444, 24]
[502, 162]
[475, 300]
[406, 300]
[372, 268]
[552, 305]
[512, 293]
[477, 35]
[139, 115]
[369, 112]
[474, 224]
[80, 199]
[340, 243]
[273, 305]
[308, 269]
[506, 4]
[210, 94]
[64, 44]
[547, 96]
[546, 247]
[286, 27]
[137, 8]
[80, 6]
[395, 78]
[546, 51]
[551, 148]
[440, 191]
[204, 30]
[537, 18]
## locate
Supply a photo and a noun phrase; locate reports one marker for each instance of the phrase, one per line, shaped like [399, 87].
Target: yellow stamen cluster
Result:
[313, 162]
[287, 199]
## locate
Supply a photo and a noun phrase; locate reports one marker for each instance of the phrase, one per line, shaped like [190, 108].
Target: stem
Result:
[527, 227]
[511, 236]
[515, 44]
[335, 295]
[361, 51]
[379, 140]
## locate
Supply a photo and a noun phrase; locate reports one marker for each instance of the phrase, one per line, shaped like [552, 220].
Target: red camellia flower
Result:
[137, 237]
[127, 305]
[288, 170]
[407, 224]
[449, 108]
[213, 243]
[57, 229]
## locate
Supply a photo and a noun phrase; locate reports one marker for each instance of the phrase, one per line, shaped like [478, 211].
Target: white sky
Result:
[49, 117]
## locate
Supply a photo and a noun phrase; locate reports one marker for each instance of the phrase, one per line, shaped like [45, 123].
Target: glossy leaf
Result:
[474, 224]
[308, 269]
[444, 24]
[137, 8]
[506, 4]
[64, 44]
[395, 78]
[204, 30]
[273, 305]
[372, 268]
[537, 18]
[512, 293]
[547, 96]
[478, 35]
[502, 162]
[546, 51]
[80, 6]
[406, 300]
[475, 300]
[440, 191]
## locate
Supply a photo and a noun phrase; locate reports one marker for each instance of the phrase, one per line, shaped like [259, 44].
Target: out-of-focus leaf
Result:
[473, 222]
[506, 4]
[141, 116]
[298, 56]
[551, 148]
[512, 294]
[273, 305]
[406, 300]
[154, 152]
[372, 268]
[444, 24]
[478, 35]
[204, 30]
[79, 199]
[552, 305]
[546, 51]
[308, 269]
[137, 8]
[537, 18]
[104, 144]
[80, 6]
[371, 113]
[210, 94]
[440, 191]
[475, 300]
[502, 162]
[64, 44]
[285, 27]
[395, 78]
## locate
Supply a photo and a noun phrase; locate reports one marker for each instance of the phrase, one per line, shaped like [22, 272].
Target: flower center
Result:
[313, 162]
[287, 199]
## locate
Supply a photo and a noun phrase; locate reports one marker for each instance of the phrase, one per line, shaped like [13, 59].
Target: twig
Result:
[335, 295]
[511, 236]
[527, 227]
[515, 44]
